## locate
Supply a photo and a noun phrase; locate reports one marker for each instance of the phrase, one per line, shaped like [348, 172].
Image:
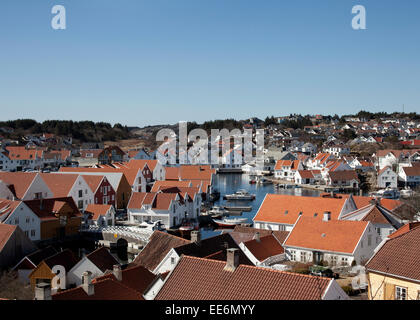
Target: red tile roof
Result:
[159, 201]
[160, 243]
[102, 259]
[412, 171]
[97, 210]
[335, 236]
[266, 247]
[399, 256]
[21, 181]
[345, 175]
[6, 208]
[93, 182]
[134, 277]
[6, 232]
[404, 229]
[59, 184]
[107, 289]
[285, 209]
[187, 282]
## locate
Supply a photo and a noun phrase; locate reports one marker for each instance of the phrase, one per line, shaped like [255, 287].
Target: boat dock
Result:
[242, 209]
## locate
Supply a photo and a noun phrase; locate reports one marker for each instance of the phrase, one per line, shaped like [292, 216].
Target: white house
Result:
[170, 208]
[280, 212]
[25, 186]
[70, 185]
[17, 213]
[410, 176]
[286, 169]
[101, 215]
[384, 221]
[263, 251]
[387, 178]
[97, 262]
[335, 242]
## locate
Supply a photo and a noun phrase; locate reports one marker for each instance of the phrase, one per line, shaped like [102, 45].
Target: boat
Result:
[238, 208]
[152, 225]
[264, 181]
[388, 193]
[229, 222]
[240, 195]
[187, 226]
[407, 193]
[217, 212]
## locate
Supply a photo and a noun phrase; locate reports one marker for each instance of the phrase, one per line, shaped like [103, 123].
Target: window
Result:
[172, 260]
[28, 219]
[303, 256]
[32, 233]
[334, 260]
[17, 221]
[80, 193]
[400, 293]
[80, 204]
[63, 220]
[344, 261]
[292, 255]
[369, 240]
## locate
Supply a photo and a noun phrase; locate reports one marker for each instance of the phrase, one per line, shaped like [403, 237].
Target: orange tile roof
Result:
[93, 181]
[159, 201]
[186, 282]
[21, 153]
[6, 232]
[97, 210]
[404, 229]
[139, 164]
[266, 247]
[21, 181]
[59, 184]
[334, 236]
[169, 183]
[274, 208]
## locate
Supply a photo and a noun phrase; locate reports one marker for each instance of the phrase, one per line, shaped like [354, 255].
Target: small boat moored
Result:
[240, 195]
[230, 222]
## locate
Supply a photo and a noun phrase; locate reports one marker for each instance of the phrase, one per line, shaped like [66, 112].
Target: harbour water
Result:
[230, 183]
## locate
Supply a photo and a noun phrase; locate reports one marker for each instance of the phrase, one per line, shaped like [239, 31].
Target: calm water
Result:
[230, 183]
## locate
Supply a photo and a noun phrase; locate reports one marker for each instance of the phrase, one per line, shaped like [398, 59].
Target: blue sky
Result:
[141, 62]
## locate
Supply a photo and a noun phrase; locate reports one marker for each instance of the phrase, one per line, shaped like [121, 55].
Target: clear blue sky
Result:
[141, 62]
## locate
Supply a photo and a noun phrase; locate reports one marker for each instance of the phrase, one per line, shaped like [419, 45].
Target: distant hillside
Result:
[83, 131]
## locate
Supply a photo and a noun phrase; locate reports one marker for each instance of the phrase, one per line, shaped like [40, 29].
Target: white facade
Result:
[28, 221]
[361, 253]
[387, 178]
[38, 189]
[81, 193]
[170, 218]
[75, 275]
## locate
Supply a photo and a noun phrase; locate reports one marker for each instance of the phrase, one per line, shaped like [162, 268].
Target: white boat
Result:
[240, 195]
[387, 193]
[407, 193]
[217, 211]
[152, 225]
[230, 222]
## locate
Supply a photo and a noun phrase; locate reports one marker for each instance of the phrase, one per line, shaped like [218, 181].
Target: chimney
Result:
[87, 284]
[232, 261]
[327, 216]
[117, 272]
[257, 236]
[196, 236]
[43, 291]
